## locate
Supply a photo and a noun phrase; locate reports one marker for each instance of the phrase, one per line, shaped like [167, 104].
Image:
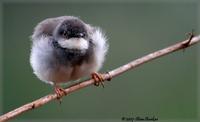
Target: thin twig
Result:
[107, 76]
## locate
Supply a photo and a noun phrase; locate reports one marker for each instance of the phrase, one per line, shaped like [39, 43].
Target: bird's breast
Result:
[69, 73]
[72, 64]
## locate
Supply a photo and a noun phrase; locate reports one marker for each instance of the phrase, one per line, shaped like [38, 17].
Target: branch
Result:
[107, 76]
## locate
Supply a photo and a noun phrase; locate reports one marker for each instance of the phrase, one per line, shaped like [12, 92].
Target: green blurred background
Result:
[166, 87]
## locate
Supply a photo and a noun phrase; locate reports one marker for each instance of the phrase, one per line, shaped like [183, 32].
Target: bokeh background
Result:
[166, 87]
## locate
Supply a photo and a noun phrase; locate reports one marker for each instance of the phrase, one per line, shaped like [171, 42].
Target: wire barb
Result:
[191, 36]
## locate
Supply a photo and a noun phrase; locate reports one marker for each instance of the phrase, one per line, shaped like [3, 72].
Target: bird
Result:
[65, 49]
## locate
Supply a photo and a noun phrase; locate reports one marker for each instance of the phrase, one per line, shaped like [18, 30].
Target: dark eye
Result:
[63, 33]
[81, 34]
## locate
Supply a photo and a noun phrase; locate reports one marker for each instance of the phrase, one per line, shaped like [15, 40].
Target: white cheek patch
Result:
[74, 43]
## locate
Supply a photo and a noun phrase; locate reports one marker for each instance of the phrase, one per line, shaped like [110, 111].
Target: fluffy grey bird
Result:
[65, 49]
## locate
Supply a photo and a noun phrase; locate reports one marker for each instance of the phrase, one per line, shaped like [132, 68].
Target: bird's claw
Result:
[98, 79]
[59, 92]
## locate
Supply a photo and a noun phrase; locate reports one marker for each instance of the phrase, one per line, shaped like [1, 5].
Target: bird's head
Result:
[72, 34]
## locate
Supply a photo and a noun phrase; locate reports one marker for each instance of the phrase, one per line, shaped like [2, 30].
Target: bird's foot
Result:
[59, 92]
[98, 79]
